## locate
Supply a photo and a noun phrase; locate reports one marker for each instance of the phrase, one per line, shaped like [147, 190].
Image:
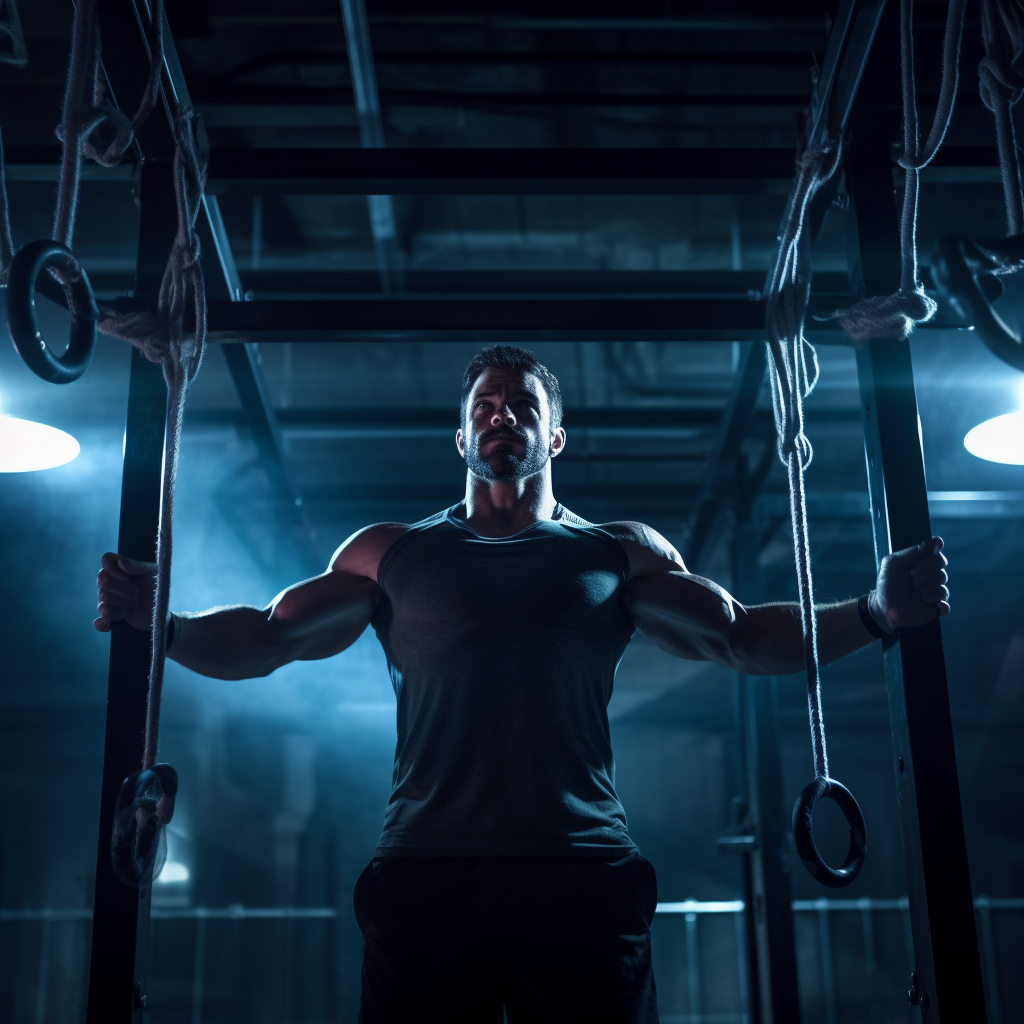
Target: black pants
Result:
[550, 940]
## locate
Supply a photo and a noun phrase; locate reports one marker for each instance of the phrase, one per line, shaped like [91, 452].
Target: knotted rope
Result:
[161, 337]
[91, 125]
[1001, 85]
[793, 373]
[895, 315]
[12, 50]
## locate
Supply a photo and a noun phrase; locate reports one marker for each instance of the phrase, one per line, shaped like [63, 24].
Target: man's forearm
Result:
[226, 643]
[773, 636]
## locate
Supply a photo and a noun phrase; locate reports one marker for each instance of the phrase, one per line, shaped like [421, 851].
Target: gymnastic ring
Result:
[25, 269]
[803, 832]
[144, 805]
[966, 272]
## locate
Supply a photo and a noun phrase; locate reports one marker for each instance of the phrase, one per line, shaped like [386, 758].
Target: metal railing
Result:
[824, 908]
[33, 1006]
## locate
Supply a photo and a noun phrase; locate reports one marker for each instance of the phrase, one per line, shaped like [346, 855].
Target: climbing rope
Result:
[146, 800]
[793, 372]
[895, 315]
[162, 338]
[12, 39]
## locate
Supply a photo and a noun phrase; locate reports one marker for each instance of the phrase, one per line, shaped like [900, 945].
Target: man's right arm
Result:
[314, 619]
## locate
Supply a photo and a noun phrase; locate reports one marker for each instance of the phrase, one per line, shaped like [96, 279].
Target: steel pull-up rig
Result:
[856, 78]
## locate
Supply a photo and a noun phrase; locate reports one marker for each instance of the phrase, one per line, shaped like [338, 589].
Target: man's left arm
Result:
[692, 617]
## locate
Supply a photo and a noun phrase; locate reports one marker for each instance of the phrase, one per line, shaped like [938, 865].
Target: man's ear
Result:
[557, 441]
[460, 442]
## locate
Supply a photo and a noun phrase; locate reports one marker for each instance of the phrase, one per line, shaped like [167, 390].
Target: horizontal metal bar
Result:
[941, 504]
[236, 912]
[342, 319]
[501, 171]
[509, 171]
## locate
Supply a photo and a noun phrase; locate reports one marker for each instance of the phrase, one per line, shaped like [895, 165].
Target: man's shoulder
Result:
[361, 554]
[648, 551]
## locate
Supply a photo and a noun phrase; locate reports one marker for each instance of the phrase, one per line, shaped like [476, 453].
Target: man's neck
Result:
[502, 507]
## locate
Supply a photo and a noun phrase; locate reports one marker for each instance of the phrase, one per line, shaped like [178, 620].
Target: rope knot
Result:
[885, 316]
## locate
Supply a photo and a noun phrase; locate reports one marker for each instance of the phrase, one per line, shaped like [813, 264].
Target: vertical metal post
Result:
[199, 967]
[867, 923]
[693, 966]
[828, 969]
[120, 925]
[44, 968]
[743, 960]
[988, 946]
[948, 970]
[775, 965]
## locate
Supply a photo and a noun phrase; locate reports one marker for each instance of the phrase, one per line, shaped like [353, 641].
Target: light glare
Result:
[26, 446]
[998, 440]
[173, 871]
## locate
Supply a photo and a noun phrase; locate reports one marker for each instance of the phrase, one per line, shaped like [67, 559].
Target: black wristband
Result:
[169, 632]
[869, 623]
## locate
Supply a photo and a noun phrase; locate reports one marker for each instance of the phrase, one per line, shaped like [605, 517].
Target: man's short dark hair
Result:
[509, 357]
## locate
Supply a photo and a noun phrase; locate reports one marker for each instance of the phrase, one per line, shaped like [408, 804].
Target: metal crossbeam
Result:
[554, 317]
[470, 171]
[502, 171]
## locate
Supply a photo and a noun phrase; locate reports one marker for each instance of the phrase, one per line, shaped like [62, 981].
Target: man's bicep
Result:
[687, 615]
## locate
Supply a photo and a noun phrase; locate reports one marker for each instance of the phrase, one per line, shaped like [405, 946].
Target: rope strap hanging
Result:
[793, 372]
[146, 801]
[895, 315]
[92, 126]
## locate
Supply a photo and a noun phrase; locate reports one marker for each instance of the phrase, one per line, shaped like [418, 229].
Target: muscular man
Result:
[505, 875]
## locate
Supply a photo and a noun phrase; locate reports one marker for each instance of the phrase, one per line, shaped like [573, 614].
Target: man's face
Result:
[507, 435]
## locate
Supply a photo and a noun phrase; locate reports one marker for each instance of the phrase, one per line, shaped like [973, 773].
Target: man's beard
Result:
[506, 466]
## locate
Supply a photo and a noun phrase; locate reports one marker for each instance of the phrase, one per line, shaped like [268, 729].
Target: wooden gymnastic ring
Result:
[25, 269]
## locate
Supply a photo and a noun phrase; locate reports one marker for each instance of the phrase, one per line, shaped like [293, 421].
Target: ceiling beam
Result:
[630, 316]
[347, 171]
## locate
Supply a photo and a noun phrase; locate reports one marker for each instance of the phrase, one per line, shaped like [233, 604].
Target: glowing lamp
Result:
[26, 446]
[999, 440]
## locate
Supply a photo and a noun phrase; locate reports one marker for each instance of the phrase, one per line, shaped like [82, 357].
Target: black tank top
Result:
[502, 652]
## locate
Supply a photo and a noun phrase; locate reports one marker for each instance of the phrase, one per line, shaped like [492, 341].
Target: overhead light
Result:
[173, 871]
[999, 440]
[26, 446]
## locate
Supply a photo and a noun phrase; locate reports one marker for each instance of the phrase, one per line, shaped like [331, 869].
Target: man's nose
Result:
[503, 414]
